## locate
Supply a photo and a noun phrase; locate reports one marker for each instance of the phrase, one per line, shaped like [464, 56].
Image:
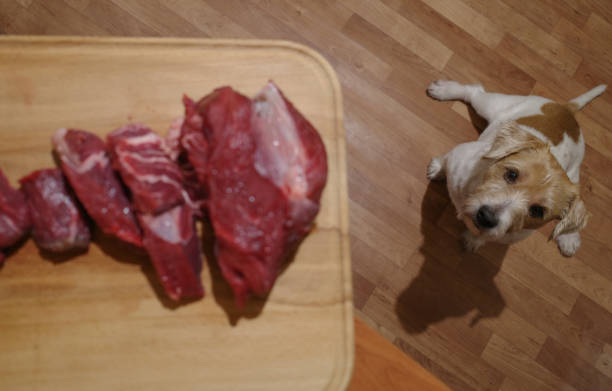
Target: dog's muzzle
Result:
[486, 218]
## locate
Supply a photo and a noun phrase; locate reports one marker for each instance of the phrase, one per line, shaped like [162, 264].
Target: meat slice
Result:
[57, 223]
[153, 178]
[164, 208]
[265, 170]
[88, 169]
[291, 153]
[172, 242]
[15, 219]
[247, 211]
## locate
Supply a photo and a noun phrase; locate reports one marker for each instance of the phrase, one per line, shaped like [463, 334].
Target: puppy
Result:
[523, 170]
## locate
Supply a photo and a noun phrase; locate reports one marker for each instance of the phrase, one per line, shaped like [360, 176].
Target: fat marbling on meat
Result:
[140, 157]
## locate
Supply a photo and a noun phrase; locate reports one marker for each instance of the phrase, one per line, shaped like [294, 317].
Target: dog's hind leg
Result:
[451, 90]
[489, 106]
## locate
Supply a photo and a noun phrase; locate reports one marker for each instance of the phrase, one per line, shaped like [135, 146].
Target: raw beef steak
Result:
[88, 169]
[15, 219]
[172, 242]
[265, 170]
[153, 178]
[164, 209]
[291, 153]
[57, 222]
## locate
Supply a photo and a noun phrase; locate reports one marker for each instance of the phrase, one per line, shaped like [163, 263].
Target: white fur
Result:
[463, 166]
[569, 243]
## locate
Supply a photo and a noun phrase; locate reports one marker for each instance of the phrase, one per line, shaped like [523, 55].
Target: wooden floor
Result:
[505, 318]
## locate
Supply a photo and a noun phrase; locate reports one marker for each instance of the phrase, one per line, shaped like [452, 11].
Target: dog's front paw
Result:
[568, 243]
[435, 169]
[445, 90]
[471, 242]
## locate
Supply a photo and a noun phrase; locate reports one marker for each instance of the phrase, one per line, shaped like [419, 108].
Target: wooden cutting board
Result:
[99, 321]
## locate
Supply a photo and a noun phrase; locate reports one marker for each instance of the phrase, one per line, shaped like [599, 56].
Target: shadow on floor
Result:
[451, 282]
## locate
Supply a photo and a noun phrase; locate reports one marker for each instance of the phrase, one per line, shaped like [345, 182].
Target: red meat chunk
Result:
[153, 178]
[58, 224]
[291, 153]
[265, 169]
[88, 169]
[164, 208]
[172, 242]
[15, 219]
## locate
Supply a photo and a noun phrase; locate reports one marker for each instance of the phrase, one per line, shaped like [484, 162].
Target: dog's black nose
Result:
[485, 217]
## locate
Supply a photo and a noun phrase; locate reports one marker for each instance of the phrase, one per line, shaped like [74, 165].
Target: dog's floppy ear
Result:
[512, 139]
[573, 219]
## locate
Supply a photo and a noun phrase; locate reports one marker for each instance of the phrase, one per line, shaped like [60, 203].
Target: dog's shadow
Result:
[451, 281]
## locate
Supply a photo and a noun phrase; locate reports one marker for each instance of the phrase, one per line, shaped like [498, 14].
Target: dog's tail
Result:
[578, 103]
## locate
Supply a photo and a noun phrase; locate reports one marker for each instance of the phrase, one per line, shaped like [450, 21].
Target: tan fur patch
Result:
[541, 181]
[554, 121]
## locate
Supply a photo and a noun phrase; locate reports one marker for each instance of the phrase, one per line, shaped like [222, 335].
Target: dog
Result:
[523, 170]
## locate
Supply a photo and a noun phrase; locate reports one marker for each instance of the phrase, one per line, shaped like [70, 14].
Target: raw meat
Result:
[140, 157]
[291, 153]
[164, 208]
[14, 214]
[88, 169]
[177, 145]
[193, 141]
[172, 140]
[57, 222]
[172, 242]
[265, 170]
[15, 219]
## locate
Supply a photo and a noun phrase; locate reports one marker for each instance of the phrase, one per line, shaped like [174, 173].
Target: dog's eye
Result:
[536, 211]
[511, 175]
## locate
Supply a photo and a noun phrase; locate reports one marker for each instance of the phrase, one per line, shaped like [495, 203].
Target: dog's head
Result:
[523, 187]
